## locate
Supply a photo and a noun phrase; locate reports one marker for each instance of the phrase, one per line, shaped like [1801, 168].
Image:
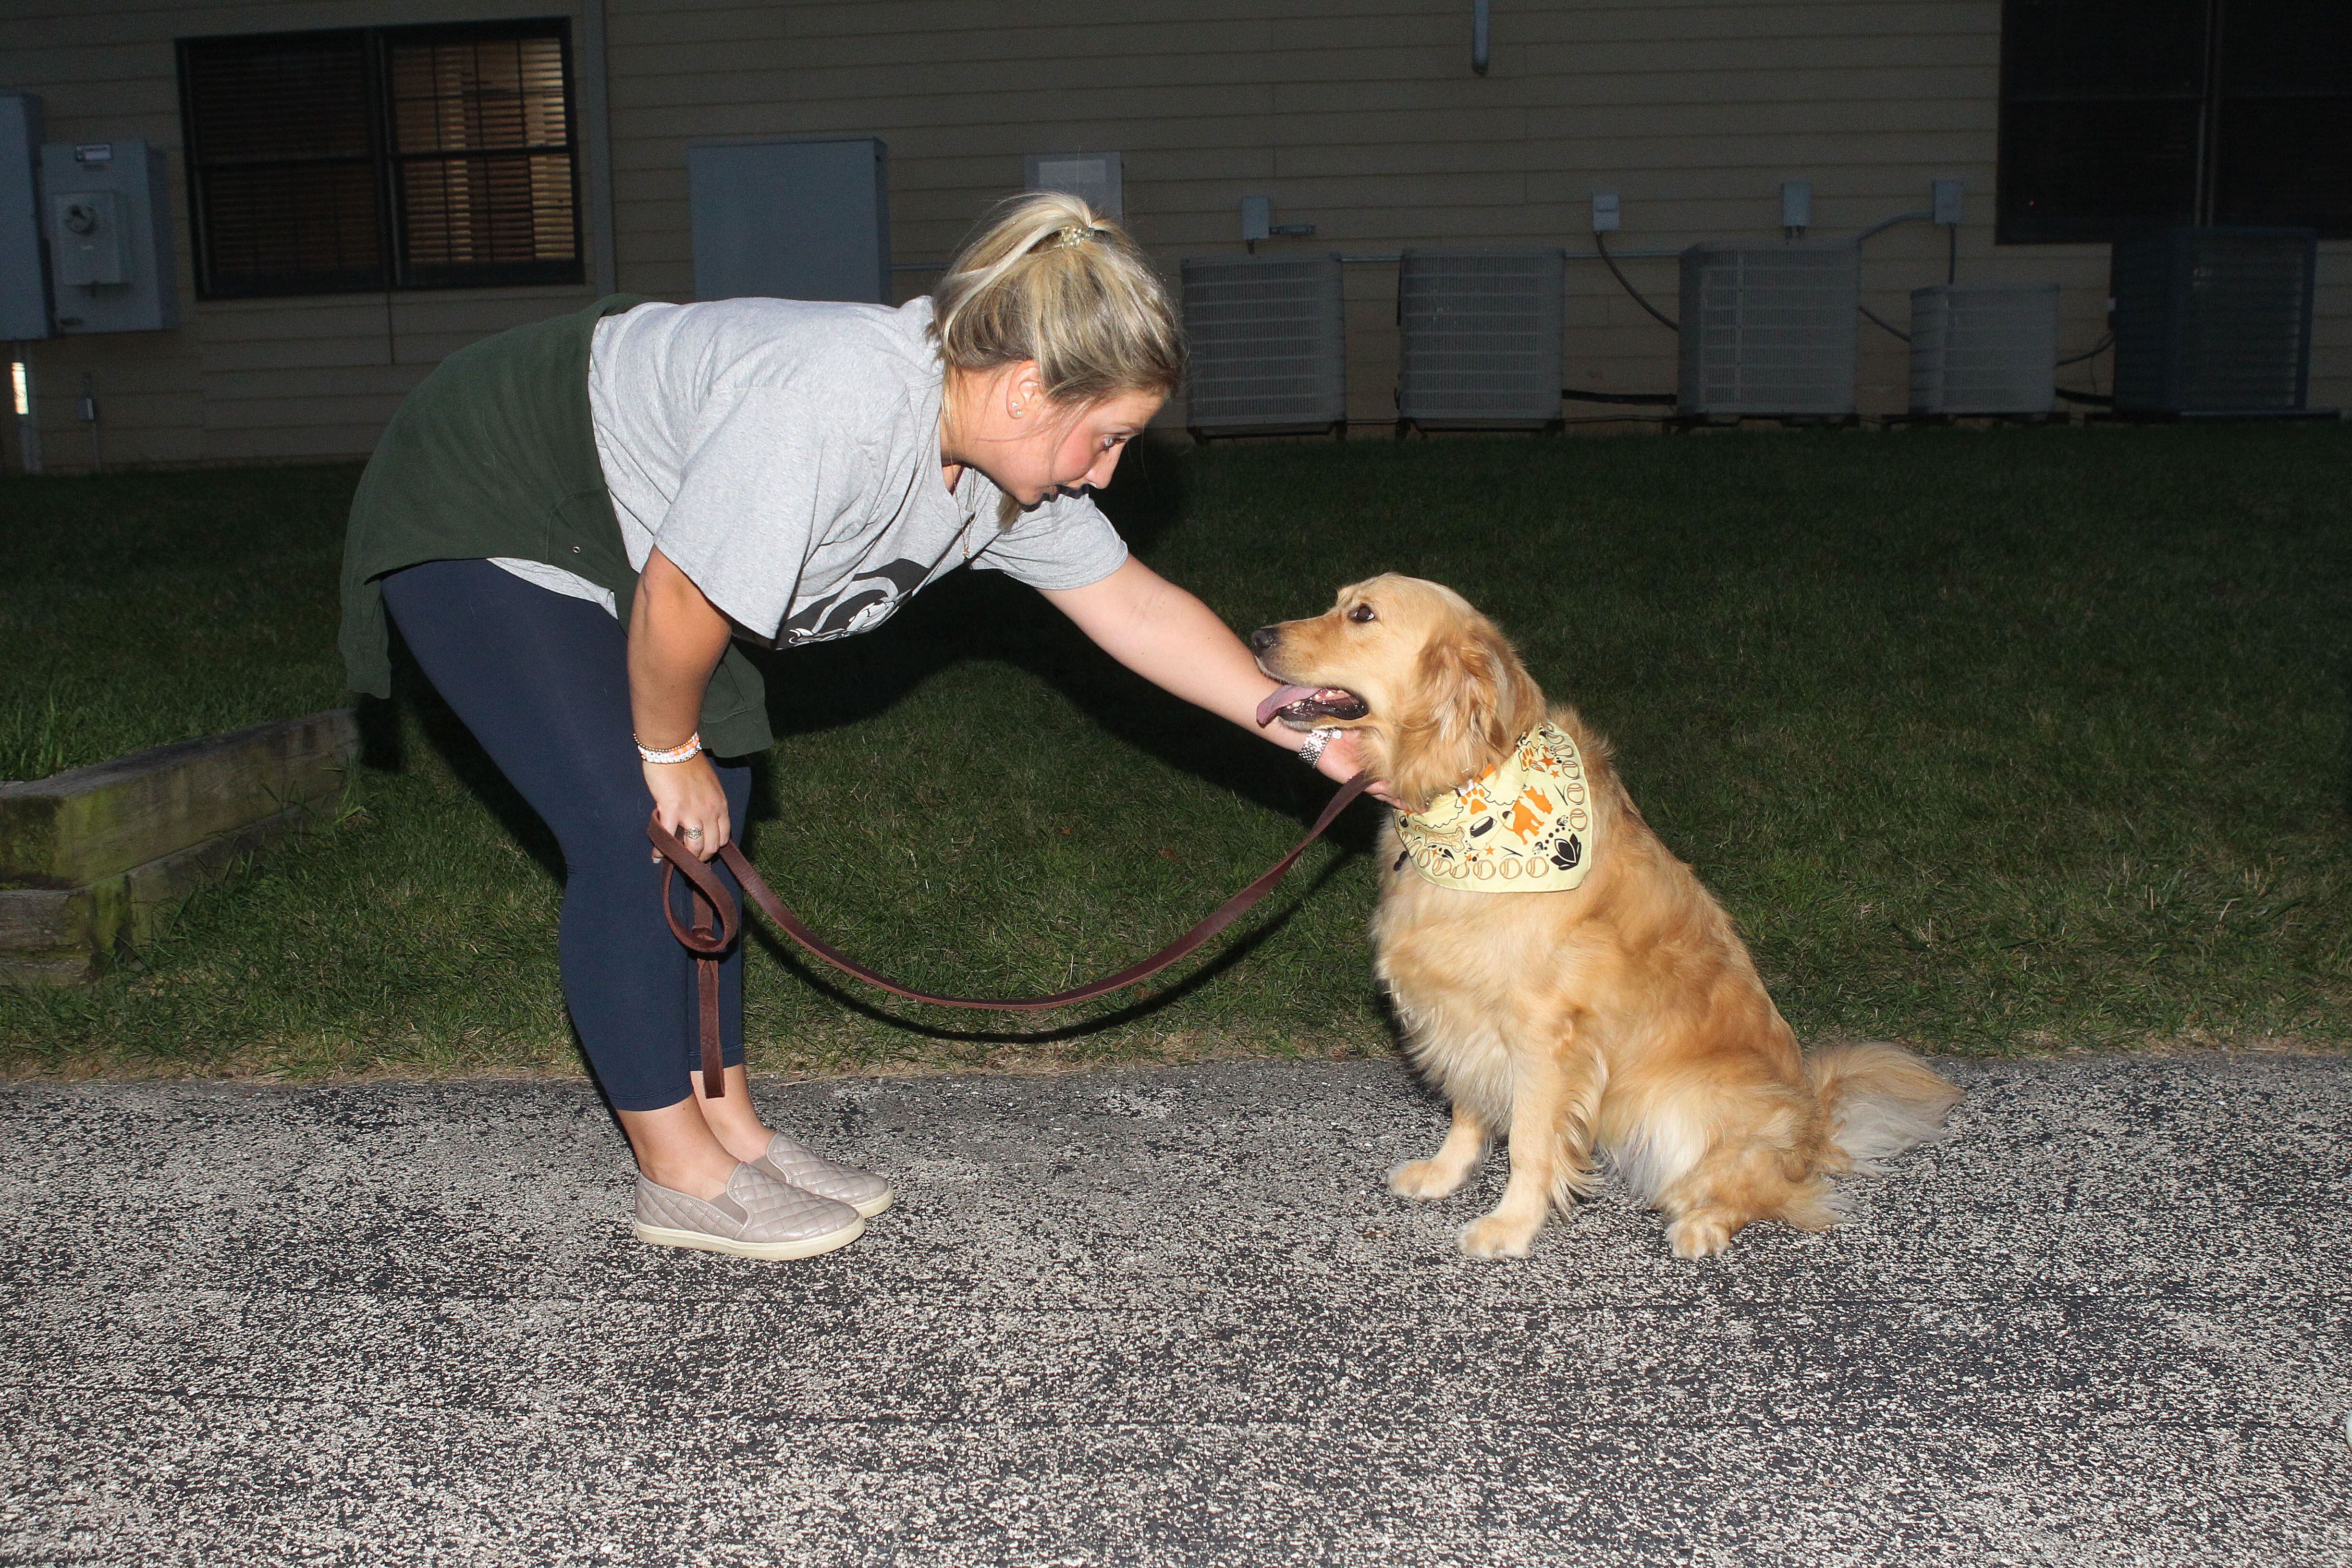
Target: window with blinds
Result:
[437, 157]
[2124, 114]
[2282, 98]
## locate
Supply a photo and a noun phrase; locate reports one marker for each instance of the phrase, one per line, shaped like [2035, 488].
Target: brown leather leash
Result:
[709, 896]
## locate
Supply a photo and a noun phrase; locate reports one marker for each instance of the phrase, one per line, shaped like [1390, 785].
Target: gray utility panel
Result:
[1769, 329]
[1480, 338]
[23, 263]
[1984, 348]
[791, 220]
[2214, 321]
[1267, 344]
[107, 208]
[1094, 178]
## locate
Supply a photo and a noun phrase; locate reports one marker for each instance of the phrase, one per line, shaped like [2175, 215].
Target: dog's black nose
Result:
[1263, 638]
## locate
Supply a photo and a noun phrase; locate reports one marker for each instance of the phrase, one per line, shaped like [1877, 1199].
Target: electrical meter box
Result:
[89, 243]
[791, 220]
[24, 265]
[107, 214]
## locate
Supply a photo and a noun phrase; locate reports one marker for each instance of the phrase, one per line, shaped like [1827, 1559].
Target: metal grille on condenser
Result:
[1768, 330]
[2245, 327]
[1265, 343]
[1480, 337]
[2214, 321]
[1984, 348]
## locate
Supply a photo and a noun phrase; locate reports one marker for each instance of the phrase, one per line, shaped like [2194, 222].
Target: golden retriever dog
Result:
[1622, 1018]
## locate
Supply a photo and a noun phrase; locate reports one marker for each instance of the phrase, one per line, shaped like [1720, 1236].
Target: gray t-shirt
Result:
[785, 456]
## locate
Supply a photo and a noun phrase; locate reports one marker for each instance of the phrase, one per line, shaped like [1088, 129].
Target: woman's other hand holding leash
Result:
[688, 802]
[676, 636]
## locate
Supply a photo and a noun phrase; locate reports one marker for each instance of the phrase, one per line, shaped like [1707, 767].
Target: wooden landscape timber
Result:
[96, 860]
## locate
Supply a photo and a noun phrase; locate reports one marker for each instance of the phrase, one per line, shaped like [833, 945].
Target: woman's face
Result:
[1085, 446]
[1031, 449]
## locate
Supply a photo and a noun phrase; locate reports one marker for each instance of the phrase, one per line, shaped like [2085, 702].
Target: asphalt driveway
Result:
[1163, 1318]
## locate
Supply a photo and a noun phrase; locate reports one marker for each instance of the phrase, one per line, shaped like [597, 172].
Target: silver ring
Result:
[689, 833]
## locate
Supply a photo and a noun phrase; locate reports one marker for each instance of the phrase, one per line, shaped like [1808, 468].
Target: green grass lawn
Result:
[140, 609]
[1991, 740]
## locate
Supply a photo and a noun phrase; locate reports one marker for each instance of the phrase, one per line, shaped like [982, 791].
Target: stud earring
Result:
[1016, 411]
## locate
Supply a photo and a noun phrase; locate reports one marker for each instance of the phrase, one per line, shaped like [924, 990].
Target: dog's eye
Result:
[1362, 613]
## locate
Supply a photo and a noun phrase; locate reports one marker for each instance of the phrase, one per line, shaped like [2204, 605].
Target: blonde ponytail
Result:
[1046, 279]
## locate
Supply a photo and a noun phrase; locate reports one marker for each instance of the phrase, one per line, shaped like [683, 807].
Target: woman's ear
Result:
[1023, 390]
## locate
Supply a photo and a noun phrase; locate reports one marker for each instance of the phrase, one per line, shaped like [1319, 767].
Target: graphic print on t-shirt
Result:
[837, 614]
[785, 456]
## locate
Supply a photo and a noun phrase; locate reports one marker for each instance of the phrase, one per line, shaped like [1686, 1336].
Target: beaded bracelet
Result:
[676, 754]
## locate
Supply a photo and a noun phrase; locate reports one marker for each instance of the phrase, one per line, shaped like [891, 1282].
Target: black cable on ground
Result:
[1601, 243]
[1578, 394]
[2094, 351]
[1878, 321]
[2091, 399]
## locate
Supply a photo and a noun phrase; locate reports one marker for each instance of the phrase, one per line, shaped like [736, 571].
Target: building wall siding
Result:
[1358, 116]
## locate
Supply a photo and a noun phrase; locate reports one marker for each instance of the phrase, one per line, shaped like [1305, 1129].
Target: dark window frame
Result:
[395, 268]
[2180, 112]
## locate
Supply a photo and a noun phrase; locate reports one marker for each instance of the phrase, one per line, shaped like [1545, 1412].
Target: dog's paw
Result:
[1494, 1237]
[1424, 1179]
[1696, 1238]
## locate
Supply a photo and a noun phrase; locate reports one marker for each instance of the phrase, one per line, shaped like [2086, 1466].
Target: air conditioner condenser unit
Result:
[1769, 330]
[1267, 344]
[1480, 338]
[1984, 348]
[2214, 321]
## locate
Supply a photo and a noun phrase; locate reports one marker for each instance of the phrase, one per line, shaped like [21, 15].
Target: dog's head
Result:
[1437, 691]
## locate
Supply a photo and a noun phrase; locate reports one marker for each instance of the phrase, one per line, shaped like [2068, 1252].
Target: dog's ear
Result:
[1475, 699]
[1463, 679]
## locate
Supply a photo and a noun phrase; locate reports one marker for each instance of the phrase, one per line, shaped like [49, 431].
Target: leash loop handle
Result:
[709, 892]
[707, 898]
[699, 938]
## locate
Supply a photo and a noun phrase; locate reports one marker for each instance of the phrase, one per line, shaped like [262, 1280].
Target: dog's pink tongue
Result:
[1281, 700]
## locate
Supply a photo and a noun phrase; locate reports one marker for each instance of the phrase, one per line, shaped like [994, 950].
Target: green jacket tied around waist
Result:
[495, 455]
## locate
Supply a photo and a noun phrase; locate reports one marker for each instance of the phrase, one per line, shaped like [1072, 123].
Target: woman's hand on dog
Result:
[1343, 760]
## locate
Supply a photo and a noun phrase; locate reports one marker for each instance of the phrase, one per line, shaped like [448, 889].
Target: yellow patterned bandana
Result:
[1524, 826]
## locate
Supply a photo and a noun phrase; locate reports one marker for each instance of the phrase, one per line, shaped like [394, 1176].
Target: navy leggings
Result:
[542, 681]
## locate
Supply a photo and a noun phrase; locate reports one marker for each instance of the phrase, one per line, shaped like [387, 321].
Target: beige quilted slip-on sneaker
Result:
[788, 1161]
[757, 1217]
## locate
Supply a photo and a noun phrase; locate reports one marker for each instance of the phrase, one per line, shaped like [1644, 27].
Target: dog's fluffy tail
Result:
[1879, 1102]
